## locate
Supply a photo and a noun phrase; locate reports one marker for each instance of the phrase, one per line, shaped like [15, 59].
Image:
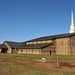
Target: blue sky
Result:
[22, 20]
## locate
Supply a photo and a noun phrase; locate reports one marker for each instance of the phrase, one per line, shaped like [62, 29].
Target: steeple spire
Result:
[72, 27]
[72, 18]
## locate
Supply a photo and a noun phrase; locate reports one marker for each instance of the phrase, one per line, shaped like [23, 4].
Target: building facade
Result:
[62, 44]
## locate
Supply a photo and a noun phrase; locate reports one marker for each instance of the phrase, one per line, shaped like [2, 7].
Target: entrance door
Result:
[50, 52]
[4, 50]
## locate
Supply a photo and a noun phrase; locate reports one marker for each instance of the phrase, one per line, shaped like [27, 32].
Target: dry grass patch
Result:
[18, 64]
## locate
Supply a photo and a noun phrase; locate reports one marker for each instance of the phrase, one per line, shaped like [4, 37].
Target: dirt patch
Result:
[63, 67]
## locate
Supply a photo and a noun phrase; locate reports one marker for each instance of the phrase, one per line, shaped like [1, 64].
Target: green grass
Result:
[13, 68]
[51, 58]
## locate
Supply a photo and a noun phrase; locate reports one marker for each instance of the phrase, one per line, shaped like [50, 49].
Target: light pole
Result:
[57, 63]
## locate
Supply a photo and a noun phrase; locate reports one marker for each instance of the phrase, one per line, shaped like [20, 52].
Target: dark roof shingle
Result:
[14, 44]
[52, 37]
[34, 46]
[2, 46]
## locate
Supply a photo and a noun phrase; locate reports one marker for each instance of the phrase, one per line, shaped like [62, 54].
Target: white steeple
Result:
[72, 27]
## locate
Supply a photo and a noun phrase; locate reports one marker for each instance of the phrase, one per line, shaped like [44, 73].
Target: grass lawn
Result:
[8, 67]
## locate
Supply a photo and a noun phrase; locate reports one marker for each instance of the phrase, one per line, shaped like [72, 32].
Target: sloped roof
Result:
[14, 44]
[52, 37]
[2, 46]
[34, 46]
[23, 44]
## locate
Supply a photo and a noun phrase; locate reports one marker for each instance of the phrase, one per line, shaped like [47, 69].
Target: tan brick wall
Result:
[24, 51]
[37, 51]
[19, 51]
[29, 51]
[9, 48]
[47, 50]
[39, 42]
[0, 50]
[49, 41]
[62, 46]
[72, 45]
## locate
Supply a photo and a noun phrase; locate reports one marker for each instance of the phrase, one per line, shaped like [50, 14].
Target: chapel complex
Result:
[62, 44]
